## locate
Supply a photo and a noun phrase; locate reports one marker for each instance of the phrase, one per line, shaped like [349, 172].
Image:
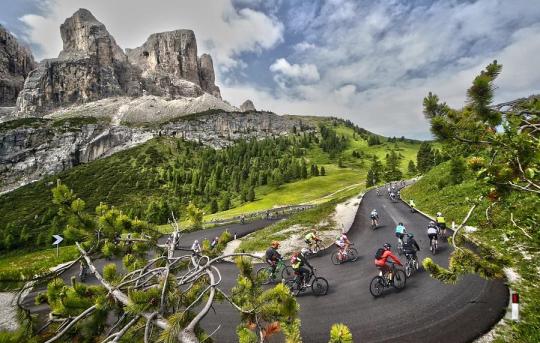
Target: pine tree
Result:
[251, 194]
[411, 168]
[323, 171]
[425, 158]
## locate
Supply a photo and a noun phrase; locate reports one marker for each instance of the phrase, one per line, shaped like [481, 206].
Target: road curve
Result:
[425, 311]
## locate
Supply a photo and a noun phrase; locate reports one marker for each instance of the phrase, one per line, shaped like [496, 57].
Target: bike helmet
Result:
[275, 244]
[439, 214]
[400, 223]
[304, 251]
[196, 242]
[387, 246]
[431, 223]
[411, 235]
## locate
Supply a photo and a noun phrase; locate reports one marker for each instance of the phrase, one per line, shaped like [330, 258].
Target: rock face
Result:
[44, 147]
[16, 62]
[170, 67]
[29, 152]
[92, 66]
[247, 106]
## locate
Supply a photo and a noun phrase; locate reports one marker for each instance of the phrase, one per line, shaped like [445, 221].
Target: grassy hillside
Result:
[164, 174]
[496, 235]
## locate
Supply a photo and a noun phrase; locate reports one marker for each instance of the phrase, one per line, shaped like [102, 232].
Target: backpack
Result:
[379, 253]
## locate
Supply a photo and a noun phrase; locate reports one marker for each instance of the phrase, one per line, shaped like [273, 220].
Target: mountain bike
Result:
[411, 265]
[265, 274]
[382, 281]
[350, 255]
[318, 285]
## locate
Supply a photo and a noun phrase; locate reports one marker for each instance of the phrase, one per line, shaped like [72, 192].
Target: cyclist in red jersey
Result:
[383, 257]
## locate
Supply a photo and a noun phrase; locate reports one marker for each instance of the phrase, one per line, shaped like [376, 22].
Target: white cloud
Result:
[221, 30]
[290, 75]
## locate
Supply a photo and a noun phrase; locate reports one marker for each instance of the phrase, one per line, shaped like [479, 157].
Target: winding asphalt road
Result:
[425, 311]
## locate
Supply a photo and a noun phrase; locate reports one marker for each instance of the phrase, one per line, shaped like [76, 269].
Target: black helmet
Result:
[387, 246]
[411, 235]
[400, 223]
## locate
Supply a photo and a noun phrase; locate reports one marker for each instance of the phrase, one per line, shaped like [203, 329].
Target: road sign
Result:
[57, 242]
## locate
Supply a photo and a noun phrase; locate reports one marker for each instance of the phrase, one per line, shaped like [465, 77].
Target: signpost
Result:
[57, 242]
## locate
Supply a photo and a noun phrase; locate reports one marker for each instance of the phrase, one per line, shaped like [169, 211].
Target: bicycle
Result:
[400, 246]
[265, 274]
[411, 265]
[374, 223]
[433, 246]
[350, 255]
[381, 281]
[315, 247]
[318, 285]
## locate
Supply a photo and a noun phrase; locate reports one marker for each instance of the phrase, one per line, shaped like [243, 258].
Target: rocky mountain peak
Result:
[92, 66]
[16, 62]
[247, 106]
[84, 36]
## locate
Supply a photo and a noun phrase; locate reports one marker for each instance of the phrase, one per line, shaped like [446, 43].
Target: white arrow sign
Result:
[58, 239]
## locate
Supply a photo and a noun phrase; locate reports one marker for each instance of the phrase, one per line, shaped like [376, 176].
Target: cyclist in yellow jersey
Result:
[441, 223]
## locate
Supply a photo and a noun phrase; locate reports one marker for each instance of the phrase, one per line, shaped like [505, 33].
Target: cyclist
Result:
[214, 243]
[400, 232]
[410, 246]
[343, 244]
[196, 247]
[381, 258]
[272, 256]
[441, 223]
[311, 239]
[412, 204]
[298, 261]
[83, 270]
[374, 217]
[392, 196]
[432, 232]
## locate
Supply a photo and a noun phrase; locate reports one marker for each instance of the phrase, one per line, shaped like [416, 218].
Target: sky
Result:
[368, 61]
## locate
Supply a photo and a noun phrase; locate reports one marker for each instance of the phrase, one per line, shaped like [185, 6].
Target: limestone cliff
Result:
[91, 66]
[16, 61]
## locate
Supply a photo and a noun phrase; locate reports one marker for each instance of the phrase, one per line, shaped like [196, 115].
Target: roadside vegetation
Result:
[491, 182]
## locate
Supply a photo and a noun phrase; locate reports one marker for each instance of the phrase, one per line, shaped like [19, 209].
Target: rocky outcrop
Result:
[170, 67]
[31, 148]
[92, 66]
[247, 106]
[29, 152]
[16, 62]
[207, 76]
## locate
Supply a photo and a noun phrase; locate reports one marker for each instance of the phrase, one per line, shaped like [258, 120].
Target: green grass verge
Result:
[19, 265]
[261, 239]
[495, 235]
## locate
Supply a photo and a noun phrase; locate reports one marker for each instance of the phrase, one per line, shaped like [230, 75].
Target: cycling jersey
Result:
[411, 203]
[431, 230]
[440, 220]
[387, 254]
[309, 236]
[272, 255]
[374, 215]
[400, 229]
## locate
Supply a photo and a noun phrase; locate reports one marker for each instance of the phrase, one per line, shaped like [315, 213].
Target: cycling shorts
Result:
[432, 236]
[400, 235]
[441, 225]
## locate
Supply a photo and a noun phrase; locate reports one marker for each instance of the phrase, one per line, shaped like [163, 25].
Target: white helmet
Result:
[439, 214]
[196, 241]
[304, 251]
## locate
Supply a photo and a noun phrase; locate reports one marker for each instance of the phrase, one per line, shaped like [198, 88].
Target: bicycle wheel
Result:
[293, 286]
[376, 286]
[319, 286]
[287, 273]
[408, 269]
[264, 275]
[352, 254]
[399, 279]
[335, 258]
